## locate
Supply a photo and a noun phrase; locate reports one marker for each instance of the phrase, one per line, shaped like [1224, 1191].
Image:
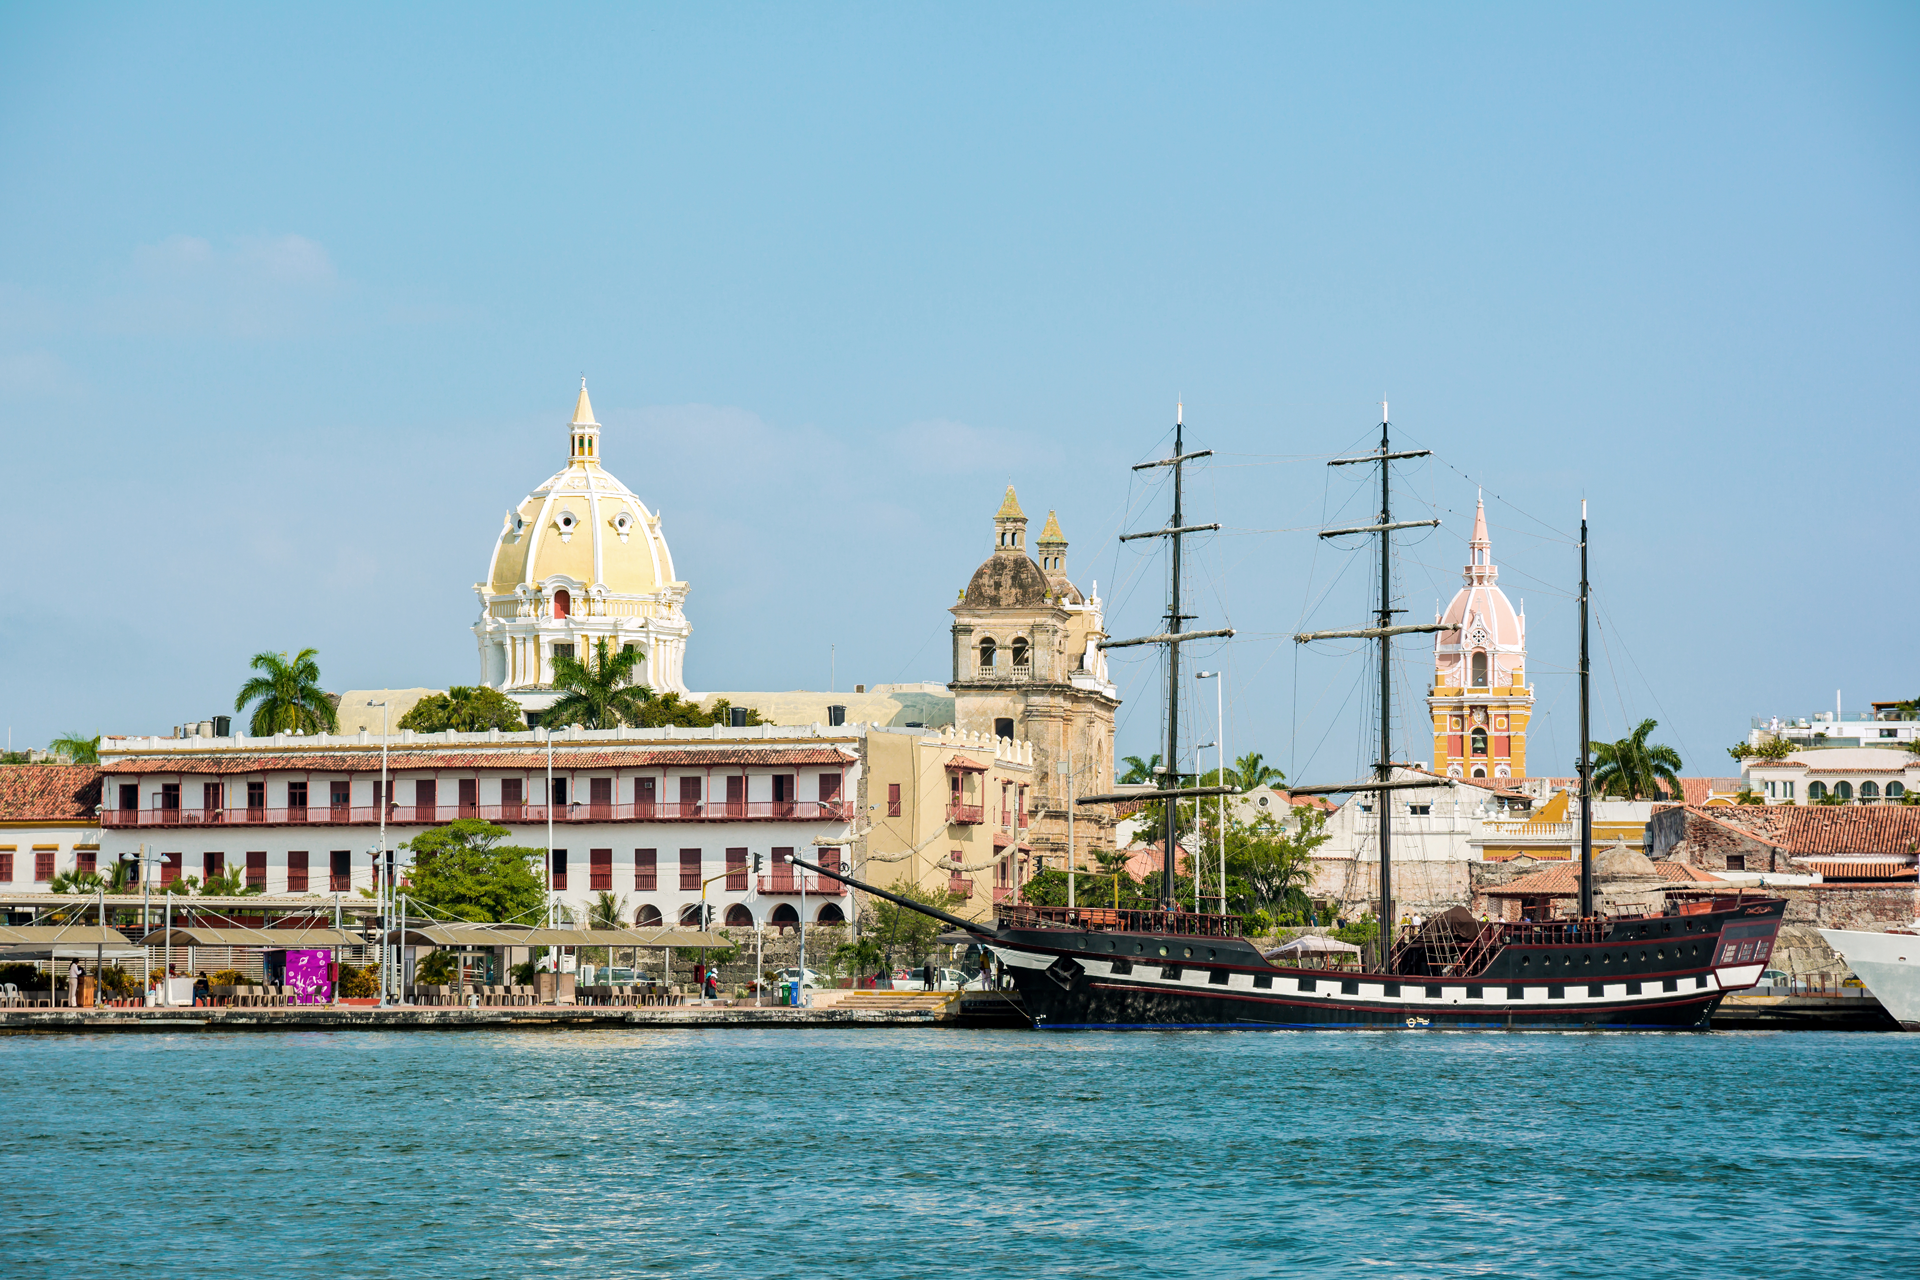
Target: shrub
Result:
[228, 978]
[359, 982]
[22, 976]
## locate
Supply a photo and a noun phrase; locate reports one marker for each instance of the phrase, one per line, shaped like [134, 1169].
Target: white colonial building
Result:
[579, 560]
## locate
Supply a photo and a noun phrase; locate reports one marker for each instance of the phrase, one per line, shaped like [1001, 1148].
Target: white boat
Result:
[1888, 963]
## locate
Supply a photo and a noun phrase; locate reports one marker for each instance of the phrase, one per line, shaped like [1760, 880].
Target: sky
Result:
[294, 301]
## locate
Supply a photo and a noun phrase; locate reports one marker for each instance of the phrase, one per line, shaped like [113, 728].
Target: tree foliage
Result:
[229, 883]
[597, 692]
[1139, 770]
[465, 709]
[1634, 768]
[77, 748]
[1773, 749]
[1251, 770]
[901, 931]
[463, 871]
[288, 696]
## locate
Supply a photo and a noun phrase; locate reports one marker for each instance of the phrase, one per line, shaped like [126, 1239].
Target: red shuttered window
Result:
[829, 786]
[257, 869]
[690, 865]
[6, 867]
[211, 865]
[893, 799]
[736, 871]
[599, 869]
[43, 864]
[646, 870]
[297, 871]
[339, 871]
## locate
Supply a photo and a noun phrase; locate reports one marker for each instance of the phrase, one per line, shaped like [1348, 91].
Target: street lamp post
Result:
[380, 854]
[1220, 736]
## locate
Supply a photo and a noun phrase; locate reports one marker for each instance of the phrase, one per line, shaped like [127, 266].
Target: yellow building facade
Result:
[1480, 699]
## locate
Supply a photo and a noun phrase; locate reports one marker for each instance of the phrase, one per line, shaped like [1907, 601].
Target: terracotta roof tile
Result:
[1553, 882]
[48, 791]
[1807, 830]
[1831, 870]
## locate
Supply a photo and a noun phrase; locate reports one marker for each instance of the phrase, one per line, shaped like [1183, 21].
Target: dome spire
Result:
[583, 431]
[1480, 548]
[1010, 527]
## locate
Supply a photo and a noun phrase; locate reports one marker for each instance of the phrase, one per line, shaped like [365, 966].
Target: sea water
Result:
[908, 1152]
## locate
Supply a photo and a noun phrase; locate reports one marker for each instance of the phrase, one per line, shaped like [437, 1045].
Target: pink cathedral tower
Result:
[1481, 701]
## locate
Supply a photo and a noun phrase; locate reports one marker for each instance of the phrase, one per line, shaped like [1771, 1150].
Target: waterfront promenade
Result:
[830, 1009]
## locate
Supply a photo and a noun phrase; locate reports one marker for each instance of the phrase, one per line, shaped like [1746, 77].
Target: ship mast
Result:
[1173, 637]
[1383, 630]
[1586, 735]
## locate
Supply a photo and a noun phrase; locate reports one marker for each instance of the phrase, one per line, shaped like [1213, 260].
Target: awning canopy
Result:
[1313, 945]
[47, 941]
[236, 936]
[508, 935]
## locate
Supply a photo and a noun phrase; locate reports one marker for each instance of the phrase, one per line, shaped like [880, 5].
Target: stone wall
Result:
[1686, 836]
[1418, 887]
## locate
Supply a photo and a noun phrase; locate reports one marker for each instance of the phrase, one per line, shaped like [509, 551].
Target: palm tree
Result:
[289, 695]
[76, 748]
[1249, 772]
[1634, 768]
[597, 693]
[1139, 770]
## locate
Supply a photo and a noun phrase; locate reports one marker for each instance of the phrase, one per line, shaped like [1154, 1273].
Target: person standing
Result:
[73, 983]
[926, 974]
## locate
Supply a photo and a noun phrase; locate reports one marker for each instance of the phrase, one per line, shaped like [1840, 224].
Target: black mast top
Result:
[1383, 630]
[1586, 735]
[1172, 637]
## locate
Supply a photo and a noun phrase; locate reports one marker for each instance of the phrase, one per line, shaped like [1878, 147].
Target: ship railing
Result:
[1122, 920]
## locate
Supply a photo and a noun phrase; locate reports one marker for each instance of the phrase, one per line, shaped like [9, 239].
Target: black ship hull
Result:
[1662, 973]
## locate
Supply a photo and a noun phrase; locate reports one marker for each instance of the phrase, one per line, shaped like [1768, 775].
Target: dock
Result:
[1851, 1009]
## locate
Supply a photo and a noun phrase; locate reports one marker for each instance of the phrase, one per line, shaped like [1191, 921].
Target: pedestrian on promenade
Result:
[73, 983]
[202, 992]
[713, 984]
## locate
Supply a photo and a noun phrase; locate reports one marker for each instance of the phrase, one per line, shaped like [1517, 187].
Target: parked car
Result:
[781, 977]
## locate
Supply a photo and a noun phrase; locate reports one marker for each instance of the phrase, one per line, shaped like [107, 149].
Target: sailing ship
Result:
[1081, 967]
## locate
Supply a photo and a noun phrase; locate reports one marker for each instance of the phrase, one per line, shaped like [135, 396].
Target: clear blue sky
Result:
[293, 302]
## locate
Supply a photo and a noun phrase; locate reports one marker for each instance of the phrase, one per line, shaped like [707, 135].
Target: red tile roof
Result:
[30, 792]
[363, 761]
[1830, 870]
[1808, 830]
[1683, 873]
[1554, 882]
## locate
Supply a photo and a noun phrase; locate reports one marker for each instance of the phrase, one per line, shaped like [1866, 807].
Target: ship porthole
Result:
[1186, 953]
[1163, 951]
[1524, 960]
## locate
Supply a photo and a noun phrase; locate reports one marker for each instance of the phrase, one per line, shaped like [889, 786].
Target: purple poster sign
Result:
[307, 976]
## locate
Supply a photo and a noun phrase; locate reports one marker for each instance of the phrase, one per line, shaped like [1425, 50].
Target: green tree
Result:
[668, 709]
[230, 883]
[76, 882]
[1634, 768]
[1251, 771]
[901, 931]
[289, 696]
[465, 709]
[80, 750]
[1139, 770]
[1268, 867]
[607, 911]
[462, 870]
[598, 693]
[857, 958]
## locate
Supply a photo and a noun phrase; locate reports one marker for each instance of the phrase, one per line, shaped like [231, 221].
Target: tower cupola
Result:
[1010, 527]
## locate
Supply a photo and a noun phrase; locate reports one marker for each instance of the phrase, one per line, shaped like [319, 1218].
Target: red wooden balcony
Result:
[521, 814]
[791, 883]
[962, 885]
[1002, 894]
[965, 815]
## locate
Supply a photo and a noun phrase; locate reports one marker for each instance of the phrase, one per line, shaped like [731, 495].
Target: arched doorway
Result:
[739, 917]
[785, 917]
[1479, 669]
[831, 914]
[562, 603]
[648, 916]
[690, 914]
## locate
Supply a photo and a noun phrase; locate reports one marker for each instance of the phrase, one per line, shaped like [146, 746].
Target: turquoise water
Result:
[857, 1153]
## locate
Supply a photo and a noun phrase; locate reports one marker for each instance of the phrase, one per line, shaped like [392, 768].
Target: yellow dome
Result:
[582, 525]
[581, 560]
